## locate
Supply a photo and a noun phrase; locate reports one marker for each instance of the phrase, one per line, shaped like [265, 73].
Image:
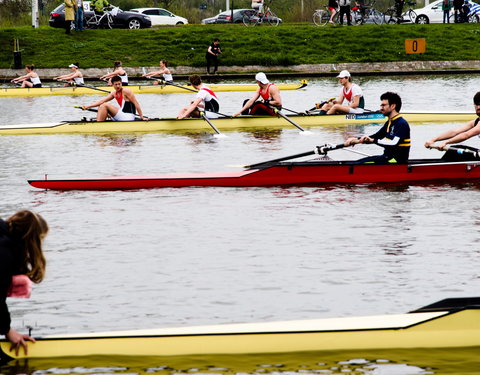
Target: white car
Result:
[160, 16]
[433, 13]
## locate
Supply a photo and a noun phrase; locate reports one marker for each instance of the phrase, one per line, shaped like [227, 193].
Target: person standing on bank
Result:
[21, 254]
[70, 10]
[212, 54]
[393, 136]
[344, 10]
[79, 16]
[446, 7]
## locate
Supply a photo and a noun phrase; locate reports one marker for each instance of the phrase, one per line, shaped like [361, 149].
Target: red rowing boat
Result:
[279, 172]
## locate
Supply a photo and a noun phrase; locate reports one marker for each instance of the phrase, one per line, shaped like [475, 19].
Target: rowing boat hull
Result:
[429, 329]
[282, 174]
[137, 89]
[223, 124]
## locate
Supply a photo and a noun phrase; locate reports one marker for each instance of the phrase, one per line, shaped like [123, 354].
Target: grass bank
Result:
[268, 46]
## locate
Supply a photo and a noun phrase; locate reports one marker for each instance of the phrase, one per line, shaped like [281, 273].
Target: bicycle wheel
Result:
[412, 15]
[377, 17]
[272, 19]
[91, 22]
[390, 17]
[357, 18]
[109, 21]
[250, 18]
[321, 17]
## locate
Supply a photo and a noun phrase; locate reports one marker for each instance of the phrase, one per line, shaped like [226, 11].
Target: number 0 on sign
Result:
[415, 45]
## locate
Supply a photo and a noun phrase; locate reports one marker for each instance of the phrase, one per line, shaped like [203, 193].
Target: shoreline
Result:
[304, 70]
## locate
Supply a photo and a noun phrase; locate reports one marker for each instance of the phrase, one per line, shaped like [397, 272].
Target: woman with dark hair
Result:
[21, 257]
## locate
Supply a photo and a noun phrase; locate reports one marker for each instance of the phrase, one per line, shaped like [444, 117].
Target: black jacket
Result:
[9, 248]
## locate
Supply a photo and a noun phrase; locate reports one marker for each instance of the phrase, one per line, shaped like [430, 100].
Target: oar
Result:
[86, 86]
[316, 150]
[172, 84]
[297, 113]
[319, 105]
[278, 112]
[219, 134]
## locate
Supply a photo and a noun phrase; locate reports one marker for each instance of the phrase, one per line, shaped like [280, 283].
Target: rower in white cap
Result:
[266, 91]
[350, 92]
[74, 78]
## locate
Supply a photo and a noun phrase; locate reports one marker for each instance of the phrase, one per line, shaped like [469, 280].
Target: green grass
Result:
[268, 46]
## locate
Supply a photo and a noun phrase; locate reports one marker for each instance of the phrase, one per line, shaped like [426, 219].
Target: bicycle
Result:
[104, 20]
[362, 13]
[255, 17]
[321, 17]
[408, 16]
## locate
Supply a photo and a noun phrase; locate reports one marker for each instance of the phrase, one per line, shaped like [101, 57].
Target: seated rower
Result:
[31, 79]
[394, 135]
[117, 71]
[74, 78]
[266, 91]
[206, 101]
[460, 134]
[126, 100]
[350, 92]
[164, 71]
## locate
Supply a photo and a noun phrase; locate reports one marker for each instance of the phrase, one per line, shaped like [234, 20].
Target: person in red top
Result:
[127, 104]
[266, 91]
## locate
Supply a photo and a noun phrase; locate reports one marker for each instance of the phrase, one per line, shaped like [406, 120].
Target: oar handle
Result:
[85, 109]
[323, 150]
[458, 150]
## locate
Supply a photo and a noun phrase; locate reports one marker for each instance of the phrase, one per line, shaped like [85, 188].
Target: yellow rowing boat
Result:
[137, 89]
[450, 323]
[223, 124]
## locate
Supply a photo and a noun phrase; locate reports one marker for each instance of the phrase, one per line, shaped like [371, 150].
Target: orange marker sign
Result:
[415, 45]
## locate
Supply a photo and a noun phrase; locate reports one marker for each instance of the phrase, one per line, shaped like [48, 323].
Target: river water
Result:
[176, 257]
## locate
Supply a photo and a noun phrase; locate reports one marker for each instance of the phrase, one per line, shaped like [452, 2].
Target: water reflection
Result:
[401, 362]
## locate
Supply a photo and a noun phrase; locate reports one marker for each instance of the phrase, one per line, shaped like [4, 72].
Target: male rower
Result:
[351, 92]
[206, 101]
[266, 91]
[127, 104]
[460, 134]
[394, 135]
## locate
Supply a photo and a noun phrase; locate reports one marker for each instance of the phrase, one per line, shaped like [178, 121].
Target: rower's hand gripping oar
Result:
[458, 150]
[218, 133]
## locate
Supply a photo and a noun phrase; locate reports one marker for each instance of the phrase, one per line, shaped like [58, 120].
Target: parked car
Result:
[160, 16]
[433, 13]
[126, 20]
[226, 17]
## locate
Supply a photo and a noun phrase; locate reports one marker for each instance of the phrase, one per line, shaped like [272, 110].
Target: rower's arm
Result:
[453, 133]
[463, 136]
[356, 102]
[249, 103]
[100, 102]
[192, 107]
